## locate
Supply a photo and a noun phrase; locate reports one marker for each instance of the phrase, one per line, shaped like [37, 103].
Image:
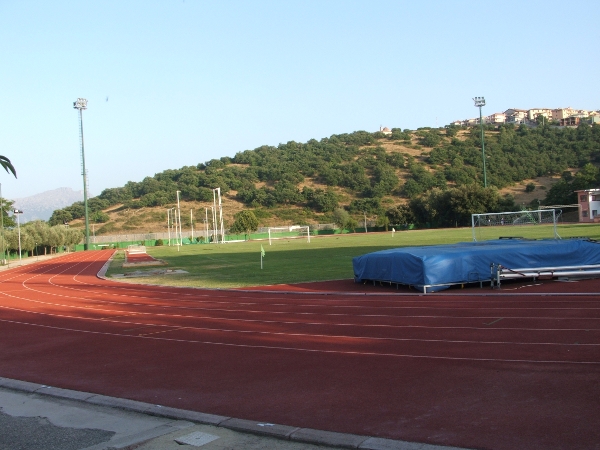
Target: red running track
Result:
[492, 370]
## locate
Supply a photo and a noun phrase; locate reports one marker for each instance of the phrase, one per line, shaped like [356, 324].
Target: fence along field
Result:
[295, 260]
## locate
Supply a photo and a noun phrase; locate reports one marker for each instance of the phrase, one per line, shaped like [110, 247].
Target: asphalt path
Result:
[485, 369]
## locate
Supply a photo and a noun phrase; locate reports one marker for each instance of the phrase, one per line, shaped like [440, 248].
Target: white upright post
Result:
[179, 240]
[206, 224]
[214, 216]
[214, 224]
[221, 216]
[192, 223]
[169, 225]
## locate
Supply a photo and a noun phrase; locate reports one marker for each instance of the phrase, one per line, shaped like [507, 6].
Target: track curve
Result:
[486, 371]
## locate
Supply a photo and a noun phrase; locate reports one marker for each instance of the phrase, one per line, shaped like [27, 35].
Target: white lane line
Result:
[308, 350]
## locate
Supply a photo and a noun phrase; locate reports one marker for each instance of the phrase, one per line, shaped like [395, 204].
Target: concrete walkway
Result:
[29, 260]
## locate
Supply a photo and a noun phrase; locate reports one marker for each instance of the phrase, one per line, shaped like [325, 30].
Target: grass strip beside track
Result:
[294, 260]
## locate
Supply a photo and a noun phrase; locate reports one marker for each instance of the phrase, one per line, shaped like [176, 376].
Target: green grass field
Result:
[295, 260]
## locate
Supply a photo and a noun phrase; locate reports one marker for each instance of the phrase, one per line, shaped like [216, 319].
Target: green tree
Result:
[7, 205]
[56, 237]
[245, 222]
[73, 236]
[400, 215]
[383, 221]
[60, 217]
[340, 217]
[39, 230]
[100, 217]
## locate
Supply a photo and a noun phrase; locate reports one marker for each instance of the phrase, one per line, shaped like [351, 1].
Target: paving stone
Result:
[183, 414]
[328, 438]
[264, 428]
[121, 403]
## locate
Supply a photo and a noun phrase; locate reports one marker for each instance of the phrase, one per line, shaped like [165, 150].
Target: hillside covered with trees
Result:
[427, 177]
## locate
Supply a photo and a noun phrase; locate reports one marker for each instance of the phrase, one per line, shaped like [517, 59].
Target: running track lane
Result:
[490, 370]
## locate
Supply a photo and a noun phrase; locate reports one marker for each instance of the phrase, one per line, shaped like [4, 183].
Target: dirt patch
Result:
[542, 186]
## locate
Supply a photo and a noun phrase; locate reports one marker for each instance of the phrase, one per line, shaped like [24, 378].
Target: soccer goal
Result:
[291, 232]
[538, 224]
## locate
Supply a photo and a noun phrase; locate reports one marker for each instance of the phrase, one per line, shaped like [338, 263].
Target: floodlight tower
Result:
[479, 102]
[80, 105]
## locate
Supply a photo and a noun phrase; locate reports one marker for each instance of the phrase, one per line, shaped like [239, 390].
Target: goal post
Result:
[289, 232]
[536, 224]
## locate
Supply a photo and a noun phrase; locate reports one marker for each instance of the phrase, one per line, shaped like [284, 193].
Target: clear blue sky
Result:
[188, 81]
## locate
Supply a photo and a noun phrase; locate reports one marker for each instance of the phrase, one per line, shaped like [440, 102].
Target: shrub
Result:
[159, 242]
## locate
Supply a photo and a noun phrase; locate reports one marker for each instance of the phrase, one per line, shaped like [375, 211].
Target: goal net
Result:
[291, 232]
[538, 224]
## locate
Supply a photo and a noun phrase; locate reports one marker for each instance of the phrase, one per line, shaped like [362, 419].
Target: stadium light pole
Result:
[80, 105]
[479, 102]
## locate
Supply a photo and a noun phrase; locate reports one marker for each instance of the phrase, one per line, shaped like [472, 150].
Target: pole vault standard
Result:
[179, 237]
[169, 224]
[192, 223]
[206, 225]
[218, 227]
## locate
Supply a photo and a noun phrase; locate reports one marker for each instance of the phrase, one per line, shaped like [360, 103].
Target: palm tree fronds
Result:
[5, 162]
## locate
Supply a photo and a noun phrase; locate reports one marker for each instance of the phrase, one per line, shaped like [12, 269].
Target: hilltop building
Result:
[566, 117]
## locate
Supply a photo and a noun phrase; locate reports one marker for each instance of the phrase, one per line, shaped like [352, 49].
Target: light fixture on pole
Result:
[479, 102]
[18, 212]
[80, 105]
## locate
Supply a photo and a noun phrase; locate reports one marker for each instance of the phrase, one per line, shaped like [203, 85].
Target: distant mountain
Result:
[41, 206]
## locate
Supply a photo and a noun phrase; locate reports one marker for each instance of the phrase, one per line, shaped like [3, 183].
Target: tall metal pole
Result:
[479, 102]
[80, 105]
[17, 213]
[2, 221]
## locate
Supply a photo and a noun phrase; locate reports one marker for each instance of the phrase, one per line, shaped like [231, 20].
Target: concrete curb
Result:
[286, 432]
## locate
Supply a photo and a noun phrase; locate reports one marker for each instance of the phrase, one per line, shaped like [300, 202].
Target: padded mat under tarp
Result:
[468, 262]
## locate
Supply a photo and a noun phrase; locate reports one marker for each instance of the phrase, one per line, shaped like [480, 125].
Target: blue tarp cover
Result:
[468, 262]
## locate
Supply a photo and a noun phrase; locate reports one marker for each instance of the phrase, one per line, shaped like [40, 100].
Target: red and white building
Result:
[589, 205]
